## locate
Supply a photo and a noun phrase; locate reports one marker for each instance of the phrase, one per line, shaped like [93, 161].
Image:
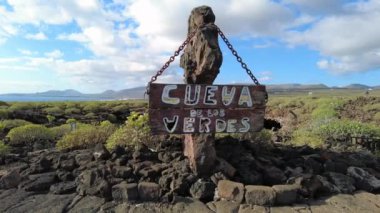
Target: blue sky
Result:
[95, 45]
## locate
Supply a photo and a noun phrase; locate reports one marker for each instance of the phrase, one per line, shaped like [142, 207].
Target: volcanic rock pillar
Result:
[201, 61]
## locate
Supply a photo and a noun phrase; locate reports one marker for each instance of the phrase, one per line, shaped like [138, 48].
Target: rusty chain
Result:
[238, 58]
[171, 59]
[180, 48]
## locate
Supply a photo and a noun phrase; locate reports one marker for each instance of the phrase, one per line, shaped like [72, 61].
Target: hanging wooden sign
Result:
[198, 108]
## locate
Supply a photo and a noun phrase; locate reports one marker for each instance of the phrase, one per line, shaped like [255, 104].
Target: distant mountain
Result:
[108, 93]
[356, 86]
[274, 87]
[64, 93]
[138, 92]
[133, 93]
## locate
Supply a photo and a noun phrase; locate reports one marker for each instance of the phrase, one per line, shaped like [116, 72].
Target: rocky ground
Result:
[248, 178]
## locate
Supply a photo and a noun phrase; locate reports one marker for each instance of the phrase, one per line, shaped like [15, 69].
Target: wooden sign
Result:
[198, 108]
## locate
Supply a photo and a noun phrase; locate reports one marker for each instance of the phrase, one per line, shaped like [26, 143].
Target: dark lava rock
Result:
[12, 197]
[122, 160]
[10, 180]
[123, 192]
[94, 182]
[83, 158]
[165, 157]
[313, 166]
[364, 180]
[40, 203]
[286, 194]
[39, 182]
[273, 175]
[63, 187]
[203, 190]
[149, 191]
[344, 183]
[64, 175]
[86, 204]
[182, 183]
[335, 166]
[118, 151]
[100, 152]
[144, 154]
[121, 171]
[67, 164]
[41, 166]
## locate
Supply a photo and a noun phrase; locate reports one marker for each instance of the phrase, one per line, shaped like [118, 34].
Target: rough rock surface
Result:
[201, 61]
[260, 195]
[109, 185]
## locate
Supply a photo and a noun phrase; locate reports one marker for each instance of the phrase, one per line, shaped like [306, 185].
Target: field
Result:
[321, 118]
[103, 153]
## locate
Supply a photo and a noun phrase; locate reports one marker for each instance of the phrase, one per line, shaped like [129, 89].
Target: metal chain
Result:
[171, 59]
[180, 48]
[238, 58]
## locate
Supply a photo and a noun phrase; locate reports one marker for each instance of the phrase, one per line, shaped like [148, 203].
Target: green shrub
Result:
[22, 106]
[326, 109]
[136, 131]
[60, 131]
[306, 137]
[71, 120]
[4, 114]
[90, 115]
[377, 116]
[7, 125]
[86, 135]
[64, 129]
[93, 107]
[50, 118]
[123, 108]
[55, 111]
[112, 118]
[72, 110]
[332, 130]
[340, 129]
[29, 134]
[4, 149]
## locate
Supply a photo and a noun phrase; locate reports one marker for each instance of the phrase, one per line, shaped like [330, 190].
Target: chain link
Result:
[180, 48]
[238, 58]
[171, 59]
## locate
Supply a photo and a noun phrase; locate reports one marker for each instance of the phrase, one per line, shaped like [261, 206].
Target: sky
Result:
[97, 45]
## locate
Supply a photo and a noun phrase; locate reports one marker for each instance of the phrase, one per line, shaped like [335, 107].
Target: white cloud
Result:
[54, 54]
[78, 37]
[318, 7]
[129, 44]
[348, 42]
[264, 76]
[35, 12]
[37, 36]
[10, 86]
[27, 52]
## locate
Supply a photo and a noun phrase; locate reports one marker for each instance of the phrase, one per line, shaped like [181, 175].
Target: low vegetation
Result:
[7, 125]
[136, 131]
[314, 119]
[4, 149]
[86, 135]
[30, 134]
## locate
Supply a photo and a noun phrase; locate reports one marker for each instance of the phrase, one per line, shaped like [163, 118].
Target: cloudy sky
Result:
[95, 45]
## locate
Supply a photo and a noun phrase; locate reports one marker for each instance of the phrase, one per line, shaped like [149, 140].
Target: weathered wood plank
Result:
[185, 121]
[206, 96]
